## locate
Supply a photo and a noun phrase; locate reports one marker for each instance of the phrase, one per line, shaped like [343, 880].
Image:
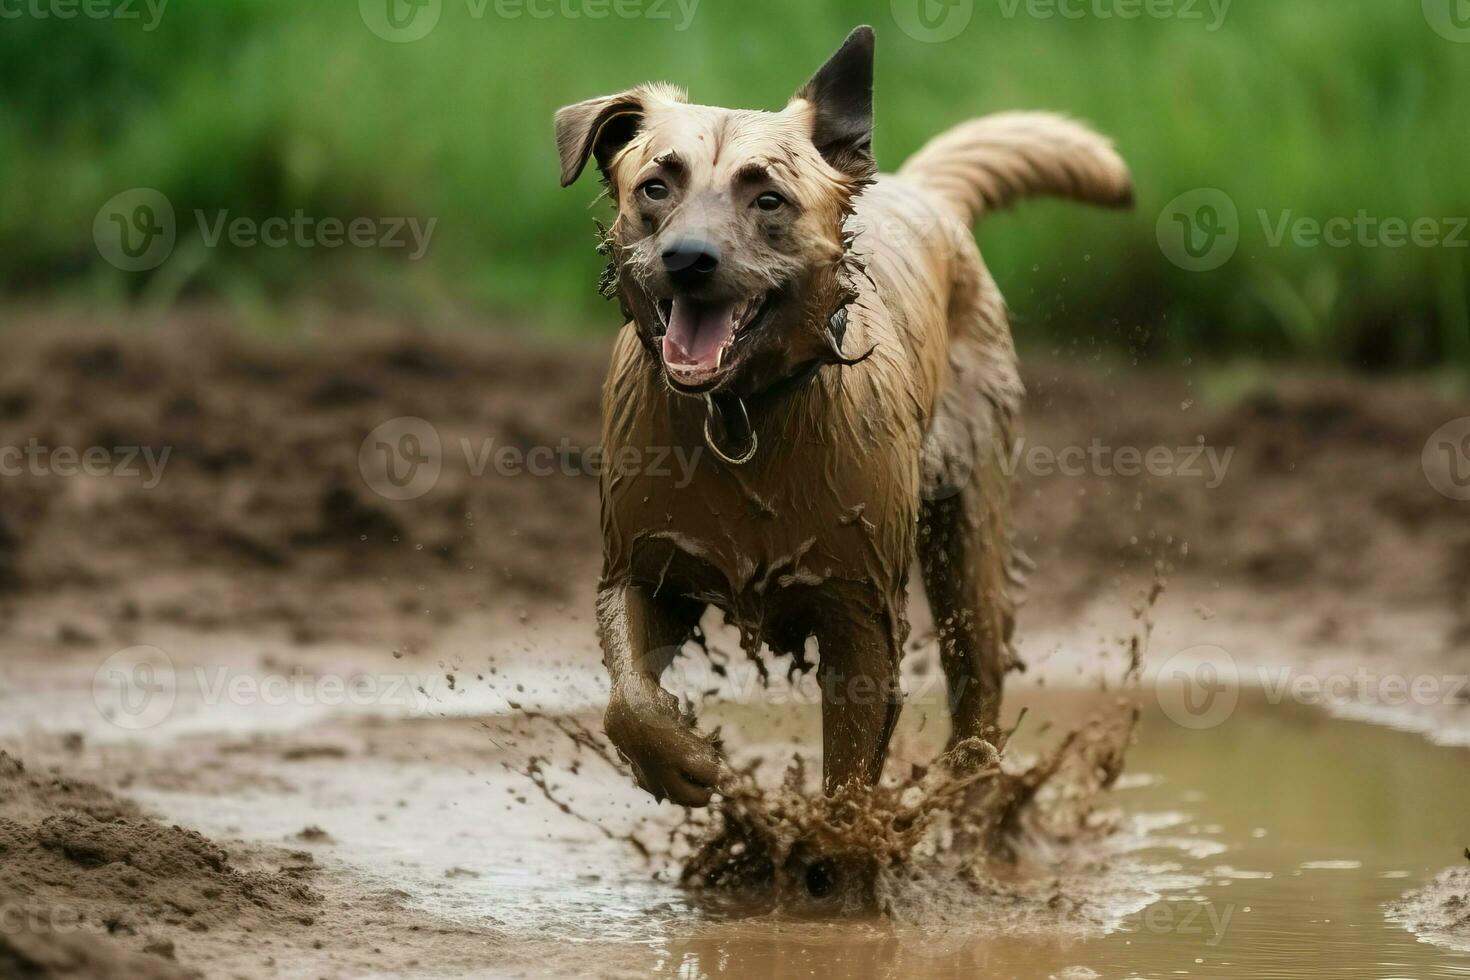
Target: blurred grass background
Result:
[263, 107]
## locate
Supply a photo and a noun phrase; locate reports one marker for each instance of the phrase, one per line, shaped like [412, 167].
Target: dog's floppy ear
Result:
[597, 127]
[841, 96]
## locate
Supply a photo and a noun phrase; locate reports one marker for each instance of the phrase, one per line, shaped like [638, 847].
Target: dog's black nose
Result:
[689, 260]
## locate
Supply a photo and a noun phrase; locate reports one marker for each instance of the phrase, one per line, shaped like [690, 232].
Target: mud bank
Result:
[93, 887]
[1309, 493]
[230, 471]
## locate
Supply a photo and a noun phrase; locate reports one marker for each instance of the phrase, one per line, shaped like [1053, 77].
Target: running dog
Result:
[831, 341]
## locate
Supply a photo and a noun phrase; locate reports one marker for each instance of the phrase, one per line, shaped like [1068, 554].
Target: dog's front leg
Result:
[861, 698]
[640, 635]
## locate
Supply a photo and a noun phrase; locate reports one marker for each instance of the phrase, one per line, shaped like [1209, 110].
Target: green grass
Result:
[266, 106]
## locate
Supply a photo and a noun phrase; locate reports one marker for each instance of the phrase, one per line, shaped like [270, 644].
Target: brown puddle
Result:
[1267, 846]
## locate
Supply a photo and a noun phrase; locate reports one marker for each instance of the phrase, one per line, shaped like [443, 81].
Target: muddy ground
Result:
[1291, 515]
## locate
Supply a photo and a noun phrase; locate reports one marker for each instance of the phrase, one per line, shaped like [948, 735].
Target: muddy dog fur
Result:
[831, 345]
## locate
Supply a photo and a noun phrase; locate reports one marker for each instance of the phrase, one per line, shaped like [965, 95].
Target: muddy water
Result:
[1264, 847]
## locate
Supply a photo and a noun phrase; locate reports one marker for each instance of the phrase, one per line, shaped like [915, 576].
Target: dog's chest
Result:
[815, 514]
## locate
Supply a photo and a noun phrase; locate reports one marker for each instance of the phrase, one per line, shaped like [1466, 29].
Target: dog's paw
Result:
[670, 758]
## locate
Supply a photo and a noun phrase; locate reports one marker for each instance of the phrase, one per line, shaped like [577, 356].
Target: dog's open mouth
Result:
[699, 337]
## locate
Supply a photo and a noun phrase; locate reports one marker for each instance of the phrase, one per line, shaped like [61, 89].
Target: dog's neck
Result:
[729, 430]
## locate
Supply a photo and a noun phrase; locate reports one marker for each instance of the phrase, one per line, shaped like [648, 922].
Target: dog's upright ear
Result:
[841, 97]
[596, 128]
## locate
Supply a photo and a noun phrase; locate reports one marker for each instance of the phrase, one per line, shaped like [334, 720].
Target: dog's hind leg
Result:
[964, 578]
[964, 546]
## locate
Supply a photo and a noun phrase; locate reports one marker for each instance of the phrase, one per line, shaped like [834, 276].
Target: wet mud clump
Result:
[31, 956]
[86, 878]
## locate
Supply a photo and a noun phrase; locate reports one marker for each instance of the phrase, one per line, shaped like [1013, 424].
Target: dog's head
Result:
[728, 246]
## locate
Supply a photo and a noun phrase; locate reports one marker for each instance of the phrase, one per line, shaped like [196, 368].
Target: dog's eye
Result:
[655, 190]
[770, 201]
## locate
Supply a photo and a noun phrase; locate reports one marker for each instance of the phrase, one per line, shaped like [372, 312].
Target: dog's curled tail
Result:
[990, 163]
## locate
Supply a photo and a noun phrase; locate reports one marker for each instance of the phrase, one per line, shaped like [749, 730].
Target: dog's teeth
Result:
[720, 358]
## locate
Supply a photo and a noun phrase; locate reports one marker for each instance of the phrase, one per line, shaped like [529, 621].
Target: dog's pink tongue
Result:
[696, 333]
